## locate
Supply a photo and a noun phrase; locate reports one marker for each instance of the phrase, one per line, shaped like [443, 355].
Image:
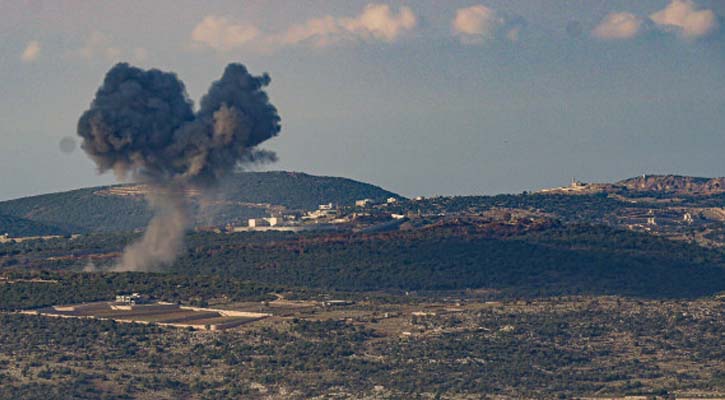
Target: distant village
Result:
[642, 208]
[363, 214]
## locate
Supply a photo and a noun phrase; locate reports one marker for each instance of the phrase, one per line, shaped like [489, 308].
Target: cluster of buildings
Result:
[371, 202]
[653, 219]
[578, 187]
[133, 298]
[326, 216]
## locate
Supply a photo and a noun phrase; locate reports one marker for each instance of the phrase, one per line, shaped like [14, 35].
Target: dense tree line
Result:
[17, 227]
[68, 288]
[299, 191]
[557, 260]
[552, 262]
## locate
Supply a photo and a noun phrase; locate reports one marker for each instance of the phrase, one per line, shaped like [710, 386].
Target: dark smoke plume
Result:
[142, 126]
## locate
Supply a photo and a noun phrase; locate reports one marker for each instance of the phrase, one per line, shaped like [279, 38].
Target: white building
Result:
[321, 213]
[363, 202]
[257, 222]
[132, 298]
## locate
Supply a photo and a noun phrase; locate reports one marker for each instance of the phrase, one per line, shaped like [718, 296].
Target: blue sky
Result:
[424, 97]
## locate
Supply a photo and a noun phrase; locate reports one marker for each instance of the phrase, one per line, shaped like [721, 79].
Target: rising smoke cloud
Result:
[142, 126]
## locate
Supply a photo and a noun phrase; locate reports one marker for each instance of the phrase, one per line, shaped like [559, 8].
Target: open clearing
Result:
[165, 314]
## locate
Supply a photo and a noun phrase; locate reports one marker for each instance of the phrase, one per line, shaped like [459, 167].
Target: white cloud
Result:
[31, 51]
[318, 32]
[476, 24]
[622, 25]
[221, 34]
[683, 16]
[99, 46]
[375, 22]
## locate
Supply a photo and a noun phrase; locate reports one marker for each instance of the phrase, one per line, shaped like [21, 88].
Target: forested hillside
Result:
[15, 227]
[80, 211]
[556, 260]
[85, 210]
[299, 191]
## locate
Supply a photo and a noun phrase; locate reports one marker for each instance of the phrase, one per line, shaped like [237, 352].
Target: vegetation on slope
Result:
[556, 260]
[299, 191]
[17, 227]
[576, 262]
[582, 208]
[559, 348]
[674, 184]
[30, 289]
[83, 210]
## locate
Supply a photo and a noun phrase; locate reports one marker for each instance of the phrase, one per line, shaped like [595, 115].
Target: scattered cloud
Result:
[681, 16]
[476, 24]
[376, 22]
[319, 32]
[684, 17]
[221, 34]
[99, 46]
[31, 52]
[618, 25]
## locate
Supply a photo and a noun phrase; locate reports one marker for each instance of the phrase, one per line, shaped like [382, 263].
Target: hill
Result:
[674, 184]
[508, 295]
[243, 195]
[299, 191]
[656, 185]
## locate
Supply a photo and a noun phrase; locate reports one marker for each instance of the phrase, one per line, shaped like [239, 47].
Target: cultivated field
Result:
[165, 314]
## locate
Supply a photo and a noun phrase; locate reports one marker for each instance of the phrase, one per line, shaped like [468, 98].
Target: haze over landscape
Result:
[421, 98]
